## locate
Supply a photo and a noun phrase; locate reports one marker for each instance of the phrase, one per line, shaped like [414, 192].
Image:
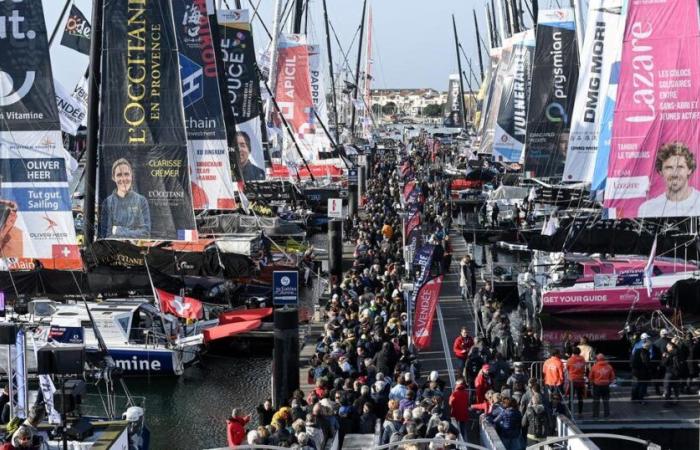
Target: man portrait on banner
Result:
[125, 214]
[249, 170]
[676, 164]
[11, 241]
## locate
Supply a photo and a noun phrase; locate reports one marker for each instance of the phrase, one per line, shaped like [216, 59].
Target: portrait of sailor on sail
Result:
[249, 170]
[125, 213]
[676, 164]
[11, 241]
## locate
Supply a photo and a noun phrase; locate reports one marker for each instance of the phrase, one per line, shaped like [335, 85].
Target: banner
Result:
[144, 182]
[554, 79]
[413, 221]
[426, 305]
[600, 48]
[243, 87]
[36, 219]
[511, 124]
[207, 149]
[486, 89]
[20, 406]
[319, 142]
[76, 34]
[655, 141]
[453, 116]
[294, 96]
[407, 189]
[499, 57]
[47, 390]
[424, 259]
[183, 307]
[71, 111]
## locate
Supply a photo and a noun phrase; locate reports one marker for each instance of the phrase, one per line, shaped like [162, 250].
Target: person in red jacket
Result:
[576, 370]
[483, 383]
[553, 371]
[601, 377]
[459, 405]
[235, 428]
[461, 346]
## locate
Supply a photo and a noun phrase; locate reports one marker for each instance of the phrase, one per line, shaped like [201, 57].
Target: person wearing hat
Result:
[483, 383]
[642, 368]
[659, 349]
[601, 377]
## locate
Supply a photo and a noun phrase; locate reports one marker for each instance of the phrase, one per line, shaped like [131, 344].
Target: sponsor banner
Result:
[285, 288]
[511, 124]
[243, 86]
[408, 188]
[320, 142]
[655, 141]
[554, 80]
[144, 182]
[47, 389]
[72, 112]
[183, 307]
[294, 95]
[424, 259]
[425, 302]
[414, 220]
[610, 300]
[600, 48]
[486, 89]
[35, 204]
[500, 57]
[210, 168]
[149, 361]
[453, 117]
[76, 33]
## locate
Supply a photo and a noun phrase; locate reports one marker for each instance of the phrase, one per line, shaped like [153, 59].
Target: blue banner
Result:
[285, 288]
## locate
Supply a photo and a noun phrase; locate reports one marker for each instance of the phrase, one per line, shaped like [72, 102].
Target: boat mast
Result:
[60, 21]
[357, 67]
[478, 44]
[92, 122]
[514, 16]
[330, 67]
[298, 16]
[461, 82]
[276, 25]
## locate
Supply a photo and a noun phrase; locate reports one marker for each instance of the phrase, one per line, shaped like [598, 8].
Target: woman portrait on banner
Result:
[11, 240]
[125, 214]
[249, 170]
[676, 164]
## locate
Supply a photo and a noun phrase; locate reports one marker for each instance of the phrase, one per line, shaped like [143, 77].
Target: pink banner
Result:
[603, 300]
[426, 304]
[293, 91]
[655, 139]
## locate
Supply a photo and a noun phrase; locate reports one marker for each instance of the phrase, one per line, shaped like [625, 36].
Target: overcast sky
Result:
[413, 45]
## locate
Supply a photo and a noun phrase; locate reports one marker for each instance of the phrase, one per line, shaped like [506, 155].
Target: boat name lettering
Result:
[596, 68]
[136, 364]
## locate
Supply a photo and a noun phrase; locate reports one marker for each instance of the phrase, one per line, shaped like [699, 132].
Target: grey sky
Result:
[413, 44]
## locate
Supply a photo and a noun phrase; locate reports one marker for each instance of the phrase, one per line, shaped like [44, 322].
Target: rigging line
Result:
[256, 14]
[340, 46]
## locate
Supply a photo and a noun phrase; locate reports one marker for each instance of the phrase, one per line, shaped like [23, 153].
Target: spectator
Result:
[461, 347]
[602, 376]
[672, 366]
[535, 420]
[235, 428]
[642, 369]
[509, 426]
[459, 405]
[576, 371]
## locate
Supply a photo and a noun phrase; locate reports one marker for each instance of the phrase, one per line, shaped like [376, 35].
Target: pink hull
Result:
[602, 300]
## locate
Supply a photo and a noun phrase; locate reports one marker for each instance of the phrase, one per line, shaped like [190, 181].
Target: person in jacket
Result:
[483, 383]
[474, 363]
[368, 419]
[642, 369]
[265, 412]
[586, 349]
[535, 420]
[601, 377]
[391, 427]
[671, 364]
[553, 371]
[509, 426]
[576, 371]
[659, 350]
[461, 347]
[235, 428]
[459, 405]
[530, 346]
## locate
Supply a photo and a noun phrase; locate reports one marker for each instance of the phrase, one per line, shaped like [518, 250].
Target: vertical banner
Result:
[511, 124]
[486, 90]
[501, 59]
[144, 181]
[655, 139]
[36, 219]
[207, 150]
[601, 46]
[554, 80]
[320, 143]
[243, 87]
[453, 117]
[293, 93]
[426, 303]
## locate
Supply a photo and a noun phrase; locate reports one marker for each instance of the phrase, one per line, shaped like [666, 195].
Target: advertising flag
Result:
[426, 303]
[294, 96]
[487, 86]
[453, 117]
[554, 80]
[652, 170]
[319, 140]
[500, 57]
[144, 180]
[183, 307]
[243, 86]
[210, 168]
[71, 111]
[511, 123]
[413, 221]
[424, 259]
[76, 34]
[600, 48]
[35, 203]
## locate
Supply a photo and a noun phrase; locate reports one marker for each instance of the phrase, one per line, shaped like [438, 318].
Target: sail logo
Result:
[556, 113]
[192, 76]
[596, 68]
[8, 94]
[78, 26]
[11, 26]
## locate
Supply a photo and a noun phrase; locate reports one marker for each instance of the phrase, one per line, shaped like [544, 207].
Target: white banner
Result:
[47, 390]
[602, 43]
[71, 111]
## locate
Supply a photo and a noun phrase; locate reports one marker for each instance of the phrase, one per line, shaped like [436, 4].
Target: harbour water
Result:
[190, 412]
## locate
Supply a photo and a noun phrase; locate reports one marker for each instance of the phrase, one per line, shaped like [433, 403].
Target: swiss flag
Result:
[65, 251]
[184, 307]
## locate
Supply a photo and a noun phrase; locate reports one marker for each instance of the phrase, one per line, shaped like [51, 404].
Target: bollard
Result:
[285, 356]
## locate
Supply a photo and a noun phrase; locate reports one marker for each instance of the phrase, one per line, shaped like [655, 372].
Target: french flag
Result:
[187, 235]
